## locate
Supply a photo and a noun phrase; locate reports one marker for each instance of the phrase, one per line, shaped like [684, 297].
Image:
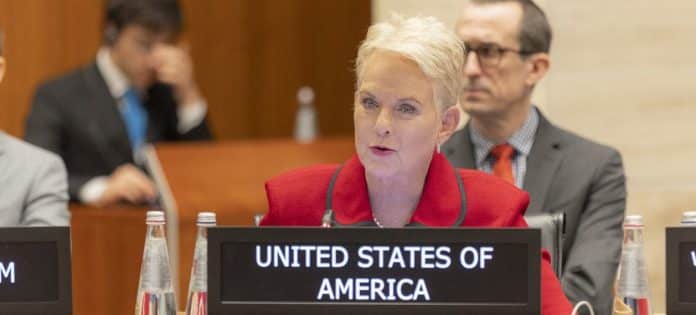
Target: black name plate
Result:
[374, 270]
[35, 272]
[681, 270]
[28, 271]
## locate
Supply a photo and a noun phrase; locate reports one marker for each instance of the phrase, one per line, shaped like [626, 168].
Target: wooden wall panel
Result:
[250, 57]
[264, 50]
[215, 36]
[43, 38]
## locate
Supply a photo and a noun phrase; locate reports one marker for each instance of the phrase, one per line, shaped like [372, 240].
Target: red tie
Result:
[502, 167]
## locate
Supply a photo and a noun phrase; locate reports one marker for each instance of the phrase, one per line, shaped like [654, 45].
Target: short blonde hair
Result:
[436, 50]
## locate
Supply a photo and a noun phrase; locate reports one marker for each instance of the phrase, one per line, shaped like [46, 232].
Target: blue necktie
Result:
[135, 117]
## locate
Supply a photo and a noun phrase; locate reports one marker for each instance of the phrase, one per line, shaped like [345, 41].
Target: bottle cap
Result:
[206, 218]
[155, 217]
[305, 95]
[633, 221]
[689, 217]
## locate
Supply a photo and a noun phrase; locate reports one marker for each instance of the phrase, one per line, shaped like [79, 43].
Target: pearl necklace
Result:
[379, 224]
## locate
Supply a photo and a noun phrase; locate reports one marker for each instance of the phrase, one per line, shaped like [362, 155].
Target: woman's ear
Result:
[450, 122]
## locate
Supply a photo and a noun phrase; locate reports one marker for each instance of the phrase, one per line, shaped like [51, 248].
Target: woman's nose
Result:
[383, 125]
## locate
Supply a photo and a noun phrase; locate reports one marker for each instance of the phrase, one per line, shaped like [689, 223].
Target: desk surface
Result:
[107, 247]
[226, 177]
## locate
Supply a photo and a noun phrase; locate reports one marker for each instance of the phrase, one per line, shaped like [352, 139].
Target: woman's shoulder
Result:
[492, 201]
[297, 197]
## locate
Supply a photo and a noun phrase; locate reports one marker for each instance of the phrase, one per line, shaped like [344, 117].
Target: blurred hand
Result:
[127, 184]
[173, 66]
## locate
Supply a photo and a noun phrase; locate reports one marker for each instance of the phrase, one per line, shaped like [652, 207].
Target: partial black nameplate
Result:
[681, 270]
[28, 272]
[35, 275]
[373, 271]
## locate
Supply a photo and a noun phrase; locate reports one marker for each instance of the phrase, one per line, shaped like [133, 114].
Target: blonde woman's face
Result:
[396, 121]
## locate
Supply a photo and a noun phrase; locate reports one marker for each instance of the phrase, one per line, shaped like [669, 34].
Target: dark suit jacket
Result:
[568, 173]
[76, 117]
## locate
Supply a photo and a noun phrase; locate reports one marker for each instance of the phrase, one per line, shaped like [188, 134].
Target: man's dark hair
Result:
[535, 30]
[159, 16]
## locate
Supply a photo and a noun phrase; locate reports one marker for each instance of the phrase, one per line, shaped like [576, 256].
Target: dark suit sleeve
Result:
[45, 124]
[45, 128]
[163, 105]
[200, 132]
[588, 276]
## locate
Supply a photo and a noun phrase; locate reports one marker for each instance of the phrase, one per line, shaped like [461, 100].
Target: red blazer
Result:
[299, 198]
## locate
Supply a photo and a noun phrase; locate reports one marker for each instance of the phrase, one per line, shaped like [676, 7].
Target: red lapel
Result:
[439, 204]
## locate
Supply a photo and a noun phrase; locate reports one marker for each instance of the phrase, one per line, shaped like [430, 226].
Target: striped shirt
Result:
[522, 141]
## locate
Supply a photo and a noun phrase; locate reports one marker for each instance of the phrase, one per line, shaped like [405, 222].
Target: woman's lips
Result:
[381, 151]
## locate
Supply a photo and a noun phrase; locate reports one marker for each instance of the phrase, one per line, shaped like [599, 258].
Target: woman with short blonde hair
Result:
[408, 81]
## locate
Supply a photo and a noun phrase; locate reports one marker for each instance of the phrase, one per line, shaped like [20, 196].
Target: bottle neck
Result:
[633, 235]
[202, 232]
[155, 231]
[203, 229]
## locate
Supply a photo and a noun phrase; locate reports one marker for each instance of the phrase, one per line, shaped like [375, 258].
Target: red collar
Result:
[440, 203]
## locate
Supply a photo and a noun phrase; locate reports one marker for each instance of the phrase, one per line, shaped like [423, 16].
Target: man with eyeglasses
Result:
[140, 89]
[507, 53]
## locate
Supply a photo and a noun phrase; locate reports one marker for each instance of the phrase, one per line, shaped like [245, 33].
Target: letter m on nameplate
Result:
[693, 257]
[7, 272]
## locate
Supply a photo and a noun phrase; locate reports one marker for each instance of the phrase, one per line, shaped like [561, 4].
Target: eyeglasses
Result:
[489, 55]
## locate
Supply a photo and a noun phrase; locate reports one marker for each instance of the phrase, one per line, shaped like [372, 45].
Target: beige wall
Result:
[623, 73]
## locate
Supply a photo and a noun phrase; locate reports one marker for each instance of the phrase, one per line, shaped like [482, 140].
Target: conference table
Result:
[226, 177]
[107, 247]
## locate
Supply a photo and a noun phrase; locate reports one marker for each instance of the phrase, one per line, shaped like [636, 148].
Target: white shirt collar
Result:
[115, 79]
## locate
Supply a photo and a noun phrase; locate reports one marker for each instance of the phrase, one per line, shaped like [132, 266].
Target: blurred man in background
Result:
[507, 54]
[140, 89]
[34, 182]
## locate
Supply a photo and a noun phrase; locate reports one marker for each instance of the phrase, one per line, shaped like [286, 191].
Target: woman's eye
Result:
[406, 108]
[369, 103]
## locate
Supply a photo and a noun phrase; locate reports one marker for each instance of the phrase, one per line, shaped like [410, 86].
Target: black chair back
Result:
[552, 227]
